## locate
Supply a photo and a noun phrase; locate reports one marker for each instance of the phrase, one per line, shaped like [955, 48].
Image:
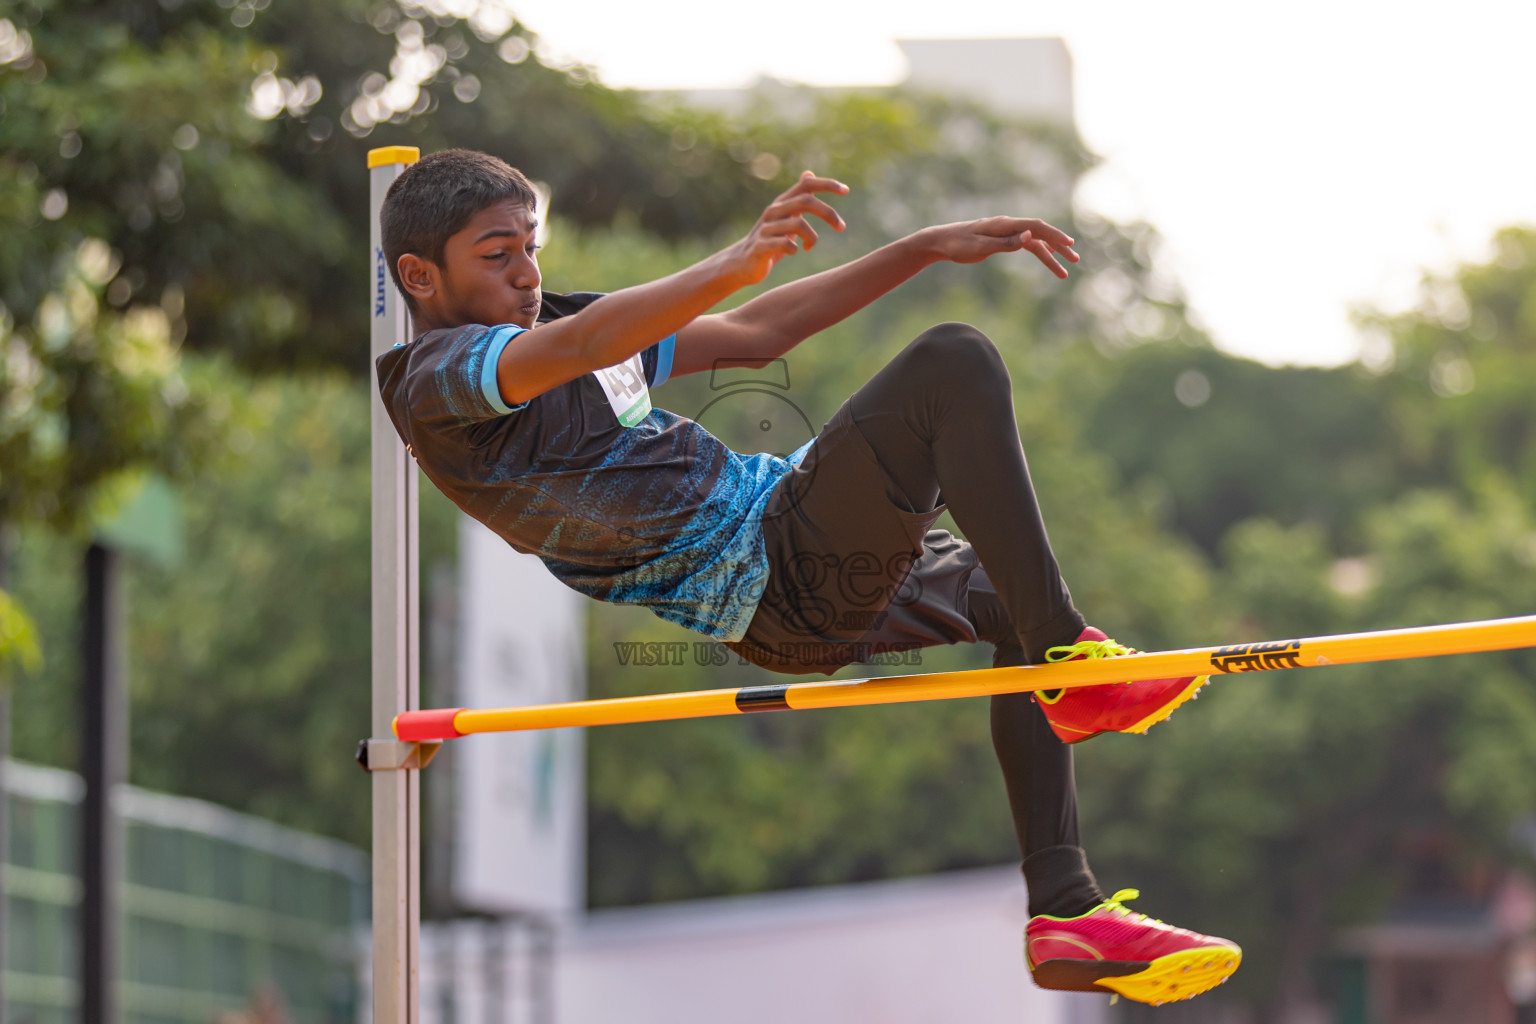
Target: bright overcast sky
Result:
[1299, 158]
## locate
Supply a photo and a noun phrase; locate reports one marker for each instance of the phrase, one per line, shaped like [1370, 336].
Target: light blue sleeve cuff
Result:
[499, 338]
[664, 360]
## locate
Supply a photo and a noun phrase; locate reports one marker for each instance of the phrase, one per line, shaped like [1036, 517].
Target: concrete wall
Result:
[932, 950]
[913, 951]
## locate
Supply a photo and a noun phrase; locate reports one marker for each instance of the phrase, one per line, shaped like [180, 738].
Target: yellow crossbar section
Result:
[1349, 648]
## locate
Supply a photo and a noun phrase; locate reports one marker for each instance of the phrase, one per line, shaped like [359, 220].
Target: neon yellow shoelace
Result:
[1118, 901]
[1120, 898]
[1085, 648]
[1089, 649]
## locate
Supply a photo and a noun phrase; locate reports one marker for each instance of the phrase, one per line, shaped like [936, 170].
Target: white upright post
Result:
[396, 651]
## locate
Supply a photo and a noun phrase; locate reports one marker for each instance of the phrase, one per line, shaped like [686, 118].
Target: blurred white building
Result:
[1029, 79]
[910, 951]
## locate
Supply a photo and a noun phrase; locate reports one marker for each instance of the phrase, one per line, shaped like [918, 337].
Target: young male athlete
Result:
[532, 412]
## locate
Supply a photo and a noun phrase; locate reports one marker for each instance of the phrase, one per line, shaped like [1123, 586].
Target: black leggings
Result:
[940, 419]
[854, 567]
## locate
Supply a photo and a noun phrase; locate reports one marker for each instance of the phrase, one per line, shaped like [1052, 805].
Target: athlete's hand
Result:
[783, 227]
[973, 241]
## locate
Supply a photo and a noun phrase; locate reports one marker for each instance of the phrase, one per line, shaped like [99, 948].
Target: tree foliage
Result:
[249, 664]
[1284, 808]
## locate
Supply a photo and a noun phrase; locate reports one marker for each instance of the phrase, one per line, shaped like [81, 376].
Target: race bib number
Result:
[624, 384]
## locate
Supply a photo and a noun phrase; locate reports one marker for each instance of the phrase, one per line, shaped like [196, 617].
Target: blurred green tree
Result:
[1458, 368]
[235, 184]
[1287, 807]
[1220, 439]
[248, 664]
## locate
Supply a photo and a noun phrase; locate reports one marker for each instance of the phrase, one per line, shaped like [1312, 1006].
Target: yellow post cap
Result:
[386, 155]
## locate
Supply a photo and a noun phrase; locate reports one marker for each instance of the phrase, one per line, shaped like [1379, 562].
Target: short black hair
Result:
[436, 196]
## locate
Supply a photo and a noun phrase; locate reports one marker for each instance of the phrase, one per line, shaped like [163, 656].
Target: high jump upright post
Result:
[393, 765]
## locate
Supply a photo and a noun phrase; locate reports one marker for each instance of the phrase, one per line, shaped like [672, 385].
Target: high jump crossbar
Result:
[1309, 652]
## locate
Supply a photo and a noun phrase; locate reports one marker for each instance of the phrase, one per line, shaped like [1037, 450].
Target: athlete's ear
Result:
[418, 277]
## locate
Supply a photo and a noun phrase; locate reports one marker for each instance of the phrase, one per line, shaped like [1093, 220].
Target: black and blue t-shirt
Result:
[659, 513]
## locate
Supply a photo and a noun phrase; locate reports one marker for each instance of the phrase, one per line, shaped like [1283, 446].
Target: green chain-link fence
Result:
[218, 907]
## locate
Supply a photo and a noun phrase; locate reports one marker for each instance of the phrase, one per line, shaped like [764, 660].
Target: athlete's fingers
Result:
[1059, 241]
[1059, 250]
[800, 228]
[1056, 238]
[781, 247]
[824, 210]
[807, 185]
[810, 181]
[1044, 253]
[792, 226]
[780, 232]
[802, 204]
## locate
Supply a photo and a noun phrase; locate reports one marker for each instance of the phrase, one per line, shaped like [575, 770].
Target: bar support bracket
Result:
[393, 755]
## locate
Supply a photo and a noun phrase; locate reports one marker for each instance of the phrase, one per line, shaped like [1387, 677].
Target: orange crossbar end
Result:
[437, 724]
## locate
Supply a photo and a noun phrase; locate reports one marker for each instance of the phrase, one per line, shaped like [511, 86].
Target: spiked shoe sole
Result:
[1180, 975]
[1188, 693]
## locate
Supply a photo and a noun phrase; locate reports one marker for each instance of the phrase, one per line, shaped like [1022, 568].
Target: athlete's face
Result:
[490, 271]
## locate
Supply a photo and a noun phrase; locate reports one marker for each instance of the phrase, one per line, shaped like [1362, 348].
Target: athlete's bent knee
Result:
[959, 349]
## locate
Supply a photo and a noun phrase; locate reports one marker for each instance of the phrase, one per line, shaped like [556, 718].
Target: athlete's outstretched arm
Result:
[778, 320]
[631, 319]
